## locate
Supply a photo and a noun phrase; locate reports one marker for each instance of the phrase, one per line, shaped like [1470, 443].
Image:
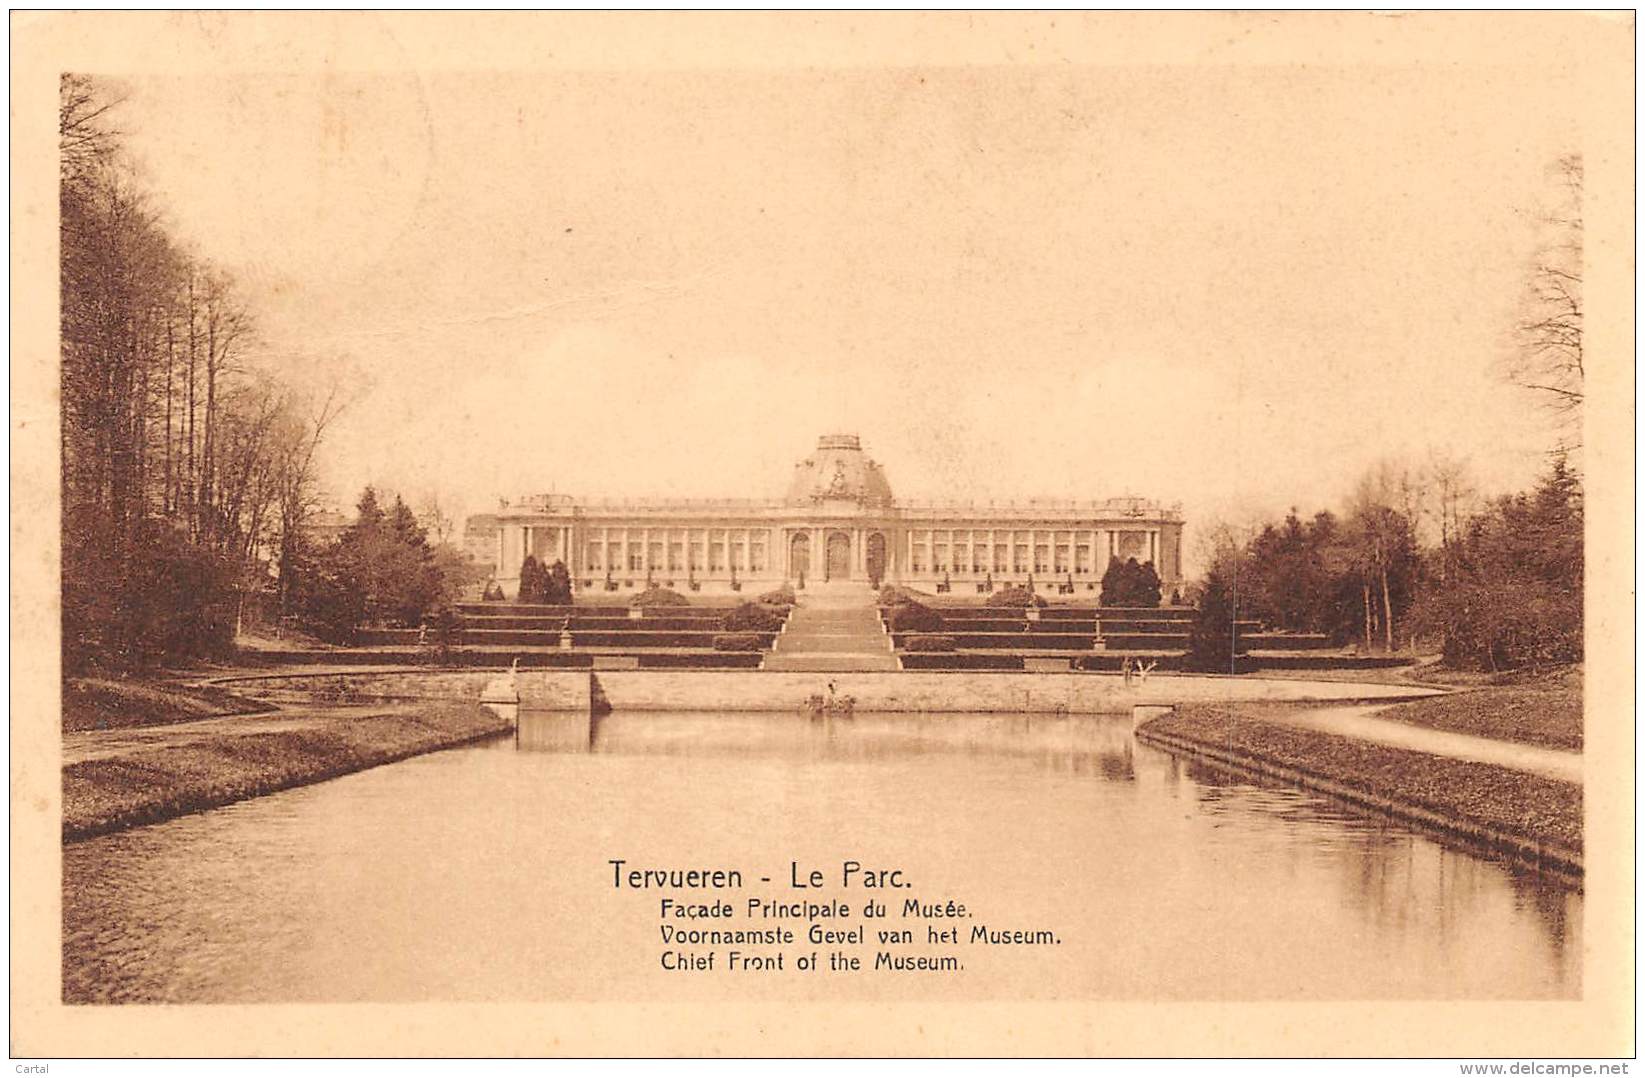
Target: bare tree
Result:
[1382, 513]
[297, 486]
[1449, 497]
[433, 515]
[1547, 354]
[85, 139]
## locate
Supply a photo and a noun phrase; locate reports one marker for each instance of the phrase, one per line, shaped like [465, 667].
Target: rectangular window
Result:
[1021, 563]
[1001, 559]
[594, 557]
[716, 555]
[756, 556]
[636, 560]
[696, 554]
[676, 557]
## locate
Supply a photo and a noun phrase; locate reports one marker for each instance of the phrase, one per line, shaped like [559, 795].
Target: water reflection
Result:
[1075, 745]
[481, 873]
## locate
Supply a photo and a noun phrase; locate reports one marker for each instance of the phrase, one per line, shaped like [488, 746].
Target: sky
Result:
[1236, 287]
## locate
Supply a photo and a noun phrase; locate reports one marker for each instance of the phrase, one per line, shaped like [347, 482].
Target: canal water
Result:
[483, 874]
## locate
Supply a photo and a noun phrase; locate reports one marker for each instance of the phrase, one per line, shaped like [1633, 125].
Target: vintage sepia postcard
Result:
[604, 534]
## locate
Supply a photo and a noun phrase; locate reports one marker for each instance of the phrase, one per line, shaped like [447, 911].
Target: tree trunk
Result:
[1387, 612]
[193, 344]
[166, 501]
[1365, 595]
[208, 528]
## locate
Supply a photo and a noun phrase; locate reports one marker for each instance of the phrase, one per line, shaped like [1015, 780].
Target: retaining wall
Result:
[556, 690]
[957, 691]
[753, 690]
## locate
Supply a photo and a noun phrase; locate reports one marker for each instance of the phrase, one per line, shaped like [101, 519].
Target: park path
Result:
[1362, 722]
[102, 744]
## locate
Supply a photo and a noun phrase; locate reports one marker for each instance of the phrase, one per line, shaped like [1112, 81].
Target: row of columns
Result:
[970, 544]
[615, 551]
[1103, 542]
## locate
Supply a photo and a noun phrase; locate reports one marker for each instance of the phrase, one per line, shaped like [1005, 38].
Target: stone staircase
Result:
[834, 627]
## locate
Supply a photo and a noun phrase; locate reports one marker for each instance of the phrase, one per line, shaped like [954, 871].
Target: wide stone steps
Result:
[833, 636]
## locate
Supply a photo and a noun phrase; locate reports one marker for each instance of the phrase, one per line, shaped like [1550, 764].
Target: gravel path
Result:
[1362, 722]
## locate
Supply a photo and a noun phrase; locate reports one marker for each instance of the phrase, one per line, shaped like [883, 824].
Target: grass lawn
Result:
[152, 784]
[110, 704]
[1542, 809]
[1541, 710]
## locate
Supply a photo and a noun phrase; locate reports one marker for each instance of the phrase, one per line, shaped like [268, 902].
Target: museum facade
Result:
[838, 521]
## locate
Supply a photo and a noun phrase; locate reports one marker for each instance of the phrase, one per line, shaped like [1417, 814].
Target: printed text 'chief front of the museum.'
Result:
[838, 522]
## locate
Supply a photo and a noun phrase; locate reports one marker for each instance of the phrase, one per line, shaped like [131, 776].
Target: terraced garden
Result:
[713, 637]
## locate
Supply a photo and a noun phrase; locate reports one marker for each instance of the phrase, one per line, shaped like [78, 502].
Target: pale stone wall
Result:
[769, 691]
[544, 689]
[916, 691]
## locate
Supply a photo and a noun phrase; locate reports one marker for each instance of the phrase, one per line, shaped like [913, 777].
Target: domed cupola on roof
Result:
[839, 471]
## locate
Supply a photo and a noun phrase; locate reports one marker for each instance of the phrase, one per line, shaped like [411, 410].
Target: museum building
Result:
[838, 521]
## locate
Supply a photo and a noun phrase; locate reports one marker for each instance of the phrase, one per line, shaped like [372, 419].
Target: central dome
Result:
[839, 471]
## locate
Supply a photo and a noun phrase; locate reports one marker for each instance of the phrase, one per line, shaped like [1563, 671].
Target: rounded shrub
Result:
[655, 596]
[753, 618]
[783, 596]
[1015, 595]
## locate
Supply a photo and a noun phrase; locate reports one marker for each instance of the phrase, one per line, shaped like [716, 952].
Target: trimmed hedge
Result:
[909, 616]
[929, 642]
[738, 642]
[1019, 625]
[1013, 641]
[702, 660]
[537, 609]
[656, 640]
[959, 660]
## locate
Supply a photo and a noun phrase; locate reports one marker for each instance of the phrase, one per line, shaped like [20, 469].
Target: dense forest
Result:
[1497, 586]
[188, 462]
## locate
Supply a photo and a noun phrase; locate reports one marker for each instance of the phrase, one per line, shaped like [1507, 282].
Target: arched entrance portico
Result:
[874, 558]
[839, 556]
[799, 555]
